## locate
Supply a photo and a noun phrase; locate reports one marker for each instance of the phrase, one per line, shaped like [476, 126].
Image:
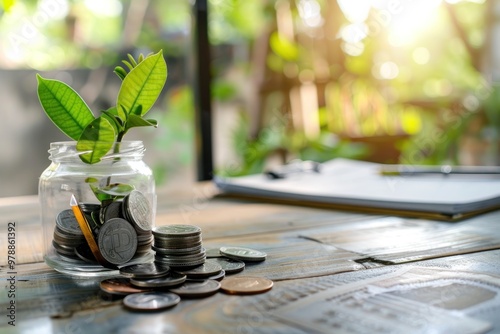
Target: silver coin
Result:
[66, 239]
[230, 266]
[245, 254]
[173, 261]
[84, 253]
[207, 269]
[197, 289]
[184, 257]
[178, 251]
[110, 211]
[144, 270]
[176, 230]
[176, 245]
[173, 279]
[213, 252]
[218, 277]
[181, 264]
[138, 210]
[151, 301]
[67, 223]
[117, 241]
[89, 207]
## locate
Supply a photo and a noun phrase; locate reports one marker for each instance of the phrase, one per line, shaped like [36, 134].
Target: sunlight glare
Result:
[414, 17]
[104, 7]
[421, 55]
[356, 11]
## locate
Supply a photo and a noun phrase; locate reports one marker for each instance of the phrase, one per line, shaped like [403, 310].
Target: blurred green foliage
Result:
[373, 80]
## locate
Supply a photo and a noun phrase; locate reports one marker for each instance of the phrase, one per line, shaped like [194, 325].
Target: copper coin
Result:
[246, 285]
[120, 286]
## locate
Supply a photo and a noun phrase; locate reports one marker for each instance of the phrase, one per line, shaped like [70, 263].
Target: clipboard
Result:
[358, 186]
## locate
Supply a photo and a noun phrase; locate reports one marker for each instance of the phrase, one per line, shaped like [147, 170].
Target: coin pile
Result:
[121, 230]
[67, 235]
[178, 246]
[145, 283]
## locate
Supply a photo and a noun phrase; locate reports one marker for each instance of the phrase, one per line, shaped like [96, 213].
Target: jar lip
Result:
[66, 150]
[74, 142]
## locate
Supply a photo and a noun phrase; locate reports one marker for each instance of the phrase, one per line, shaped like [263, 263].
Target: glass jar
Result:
[102, 191]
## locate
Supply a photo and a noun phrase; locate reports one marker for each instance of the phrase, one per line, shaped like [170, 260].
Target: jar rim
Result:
[74, 142]
[63, 150]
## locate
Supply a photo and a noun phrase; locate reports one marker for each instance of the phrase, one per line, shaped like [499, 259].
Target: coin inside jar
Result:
[117, 241]
[138, 211]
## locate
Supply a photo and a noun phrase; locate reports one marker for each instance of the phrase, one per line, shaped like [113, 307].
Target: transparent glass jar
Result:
[68, 176]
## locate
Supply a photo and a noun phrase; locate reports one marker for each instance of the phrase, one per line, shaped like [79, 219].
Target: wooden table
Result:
[333, 272]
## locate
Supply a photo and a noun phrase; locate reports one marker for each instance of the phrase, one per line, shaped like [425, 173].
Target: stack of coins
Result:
[178, 246]
[67, 235]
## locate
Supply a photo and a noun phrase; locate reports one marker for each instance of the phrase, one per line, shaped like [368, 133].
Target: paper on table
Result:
[358, 183]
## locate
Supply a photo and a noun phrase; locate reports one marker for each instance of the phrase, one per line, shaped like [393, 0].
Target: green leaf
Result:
[135, 121]
[132, 60]
[112, 116]
[117, 189]
[120, 72]
[143, 84]
[96, 140]
[108, 192]
[64, 107]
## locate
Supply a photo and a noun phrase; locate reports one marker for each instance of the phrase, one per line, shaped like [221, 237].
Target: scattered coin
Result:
[117, 241]
[244, 254]
[205, 270]
[151, 301]
[230, 266]
[246, 285]
[173, 279]
[217, 277]
[120, 287]
[197, 289]
[144, 270]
